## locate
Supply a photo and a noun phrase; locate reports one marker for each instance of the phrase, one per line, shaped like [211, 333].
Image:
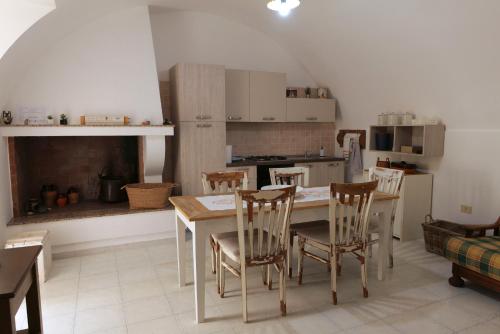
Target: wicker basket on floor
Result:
[436, 232]
[149, 195]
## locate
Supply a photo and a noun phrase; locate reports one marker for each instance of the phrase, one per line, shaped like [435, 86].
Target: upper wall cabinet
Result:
[199, 92]
[237, 96]
[267, 97]
[310, 110]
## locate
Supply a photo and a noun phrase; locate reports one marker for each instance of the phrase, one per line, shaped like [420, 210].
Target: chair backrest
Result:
[264, 215]
[298, 176]
[389, 180]
[349, 213]
[224, 182]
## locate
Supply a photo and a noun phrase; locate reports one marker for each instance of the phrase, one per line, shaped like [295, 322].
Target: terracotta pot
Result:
[73, 198]
[62, 200]
[49, 198]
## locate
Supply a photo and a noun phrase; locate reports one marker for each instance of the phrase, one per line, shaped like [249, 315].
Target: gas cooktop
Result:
[264, 157]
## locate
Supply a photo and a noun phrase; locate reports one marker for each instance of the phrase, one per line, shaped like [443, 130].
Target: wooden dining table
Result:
[204, 215]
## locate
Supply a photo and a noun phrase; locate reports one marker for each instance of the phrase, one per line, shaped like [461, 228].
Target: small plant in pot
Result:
[50, 120]
[63, 120]
[73, 195]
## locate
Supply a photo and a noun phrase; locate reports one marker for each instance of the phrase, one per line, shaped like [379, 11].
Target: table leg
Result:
[33, 304]
[181, 250]
[7, 318]
[199, 239]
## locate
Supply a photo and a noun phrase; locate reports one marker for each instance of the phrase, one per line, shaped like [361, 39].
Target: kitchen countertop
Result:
[290, 159]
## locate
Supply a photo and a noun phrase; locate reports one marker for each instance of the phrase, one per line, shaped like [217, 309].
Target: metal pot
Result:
[111, 189]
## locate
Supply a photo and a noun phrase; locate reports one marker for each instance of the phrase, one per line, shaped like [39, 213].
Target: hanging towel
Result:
[355, 162]
[346, 147]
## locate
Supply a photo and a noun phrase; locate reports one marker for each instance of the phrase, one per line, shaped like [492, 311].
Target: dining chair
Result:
[263, 219]
[349, 213]
[290, 176]
[389, 182]
[220, 183]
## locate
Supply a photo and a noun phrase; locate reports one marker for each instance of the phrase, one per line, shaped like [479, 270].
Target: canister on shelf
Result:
[408, 118]
[382, 119]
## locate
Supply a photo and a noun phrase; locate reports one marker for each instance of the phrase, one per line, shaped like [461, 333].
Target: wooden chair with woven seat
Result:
[221, 183]
[346, 232]
[263, 221]
[389, 182]
[292, 176]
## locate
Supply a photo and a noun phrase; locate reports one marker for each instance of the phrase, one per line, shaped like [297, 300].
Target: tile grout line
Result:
[77, 294]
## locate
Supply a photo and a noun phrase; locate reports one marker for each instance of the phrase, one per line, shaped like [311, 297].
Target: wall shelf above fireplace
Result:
[84, 130]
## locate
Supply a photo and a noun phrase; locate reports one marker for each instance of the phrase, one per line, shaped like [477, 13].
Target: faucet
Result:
[306, 155]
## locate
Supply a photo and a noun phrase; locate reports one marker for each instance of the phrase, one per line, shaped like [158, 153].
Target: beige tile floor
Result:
[133, 289]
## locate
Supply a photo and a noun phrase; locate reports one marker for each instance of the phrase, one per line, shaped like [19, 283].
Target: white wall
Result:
[18, 15]
[106, 66]
[435, 58]
[181, 36]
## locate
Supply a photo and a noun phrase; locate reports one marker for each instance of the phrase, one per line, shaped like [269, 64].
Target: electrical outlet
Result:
[466, 209]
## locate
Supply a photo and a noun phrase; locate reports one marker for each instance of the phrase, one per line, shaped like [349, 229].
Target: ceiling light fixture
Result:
[283, 6]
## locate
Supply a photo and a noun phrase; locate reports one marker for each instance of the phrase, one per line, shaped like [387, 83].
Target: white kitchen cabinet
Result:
[200, 147]
[310, 110]
[335, 172]
[267, 97]
[414, 204]
[237, 96]
[198, 93]
[324, 173]
[198, 108]
[251, 173]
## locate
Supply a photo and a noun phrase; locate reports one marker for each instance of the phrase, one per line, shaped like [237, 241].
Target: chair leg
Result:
[333, 264]
[269, 277]
[283, 291]
[339, 264]
[300, 266]
[214, 261]
[217, 266]
[364, 277]
[391, 245]
[244, 293]
[222, 273]
[370, 250]
[264, 275]
[289, 255]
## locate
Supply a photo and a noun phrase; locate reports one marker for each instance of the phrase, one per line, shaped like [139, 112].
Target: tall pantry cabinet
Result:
[198, 110]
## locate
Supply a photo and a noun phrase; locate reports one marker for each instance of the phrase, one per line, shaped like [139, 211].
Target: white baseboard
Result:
[98, 232]
[70, 249]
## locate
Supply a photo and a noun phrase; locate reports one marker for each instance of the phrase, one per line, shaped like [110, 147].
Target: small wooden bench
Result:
[476, 259]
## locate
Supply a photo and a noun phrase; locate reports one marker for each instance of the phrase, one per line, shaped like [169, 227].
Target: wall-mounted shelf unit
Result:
[409, 140]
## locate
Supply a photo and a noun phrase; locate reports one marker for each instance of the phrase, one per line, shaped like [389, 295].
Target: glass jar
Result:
[382, 119]
[408, 118]
[394, 119]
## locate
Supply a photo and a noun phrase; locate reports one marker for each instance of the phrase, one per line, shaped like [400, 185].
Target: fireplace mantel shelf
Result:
[85, 130]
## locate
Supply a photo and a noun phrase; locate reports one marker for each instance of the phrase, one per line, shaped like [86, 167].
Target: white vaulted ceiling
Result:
[374, 55]
[433, 57]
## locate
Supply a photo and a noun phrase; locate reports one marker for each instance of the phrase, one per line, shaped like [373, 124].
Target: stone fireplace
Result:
[70, 162]
[73, 157]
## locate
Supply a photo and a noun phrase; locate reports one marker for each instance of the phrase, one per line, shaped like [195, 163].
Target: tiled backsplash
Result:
[280, 138]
